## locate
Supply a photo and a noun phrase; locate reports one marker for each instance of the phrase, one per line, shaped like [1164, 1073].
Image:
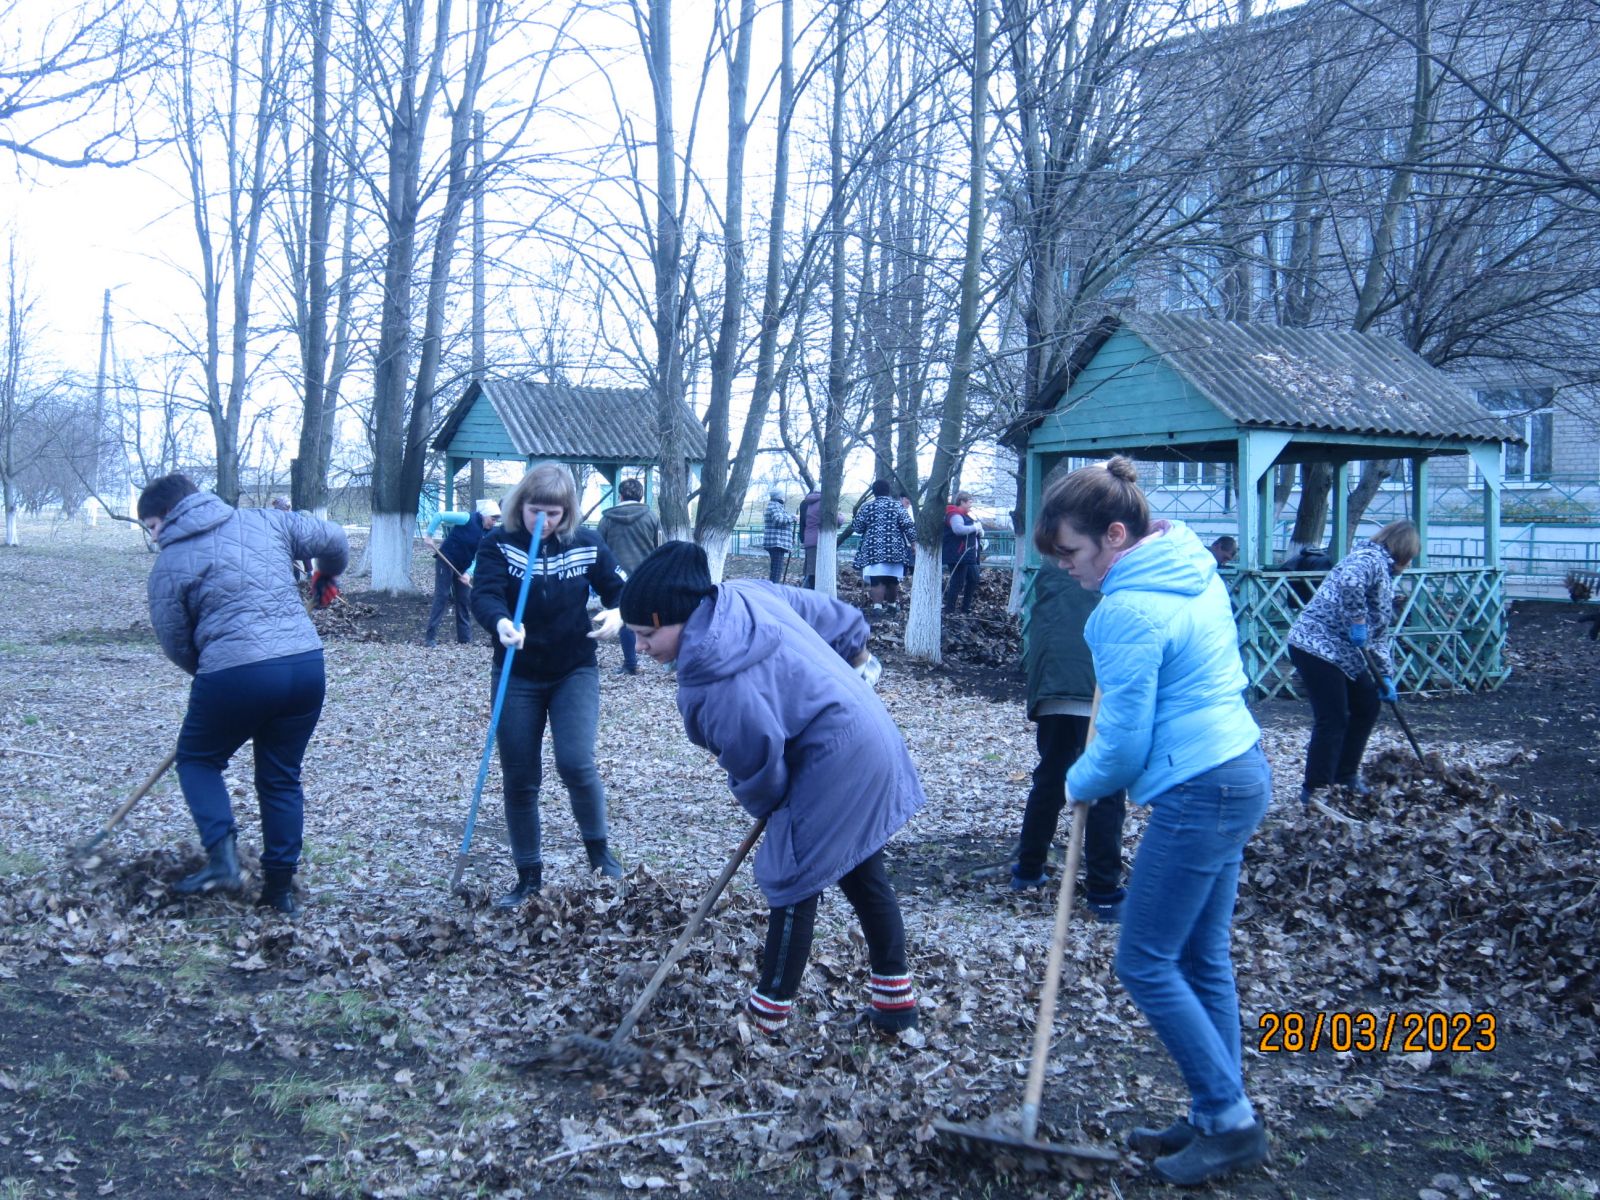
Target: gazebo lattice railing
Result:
[1449, 636]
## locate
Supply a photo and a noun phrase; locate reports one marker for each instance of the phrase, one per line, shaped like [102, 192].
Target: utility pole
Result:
[90, 514]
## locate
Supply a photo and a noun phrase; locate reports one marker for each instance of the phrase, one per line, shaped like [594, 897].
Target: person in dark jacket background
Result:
[632, 531]
[1060, 673]
[962, 546]
[884, 526]
[225, 609]
[451, 560]
[777, 683]
[554, 676]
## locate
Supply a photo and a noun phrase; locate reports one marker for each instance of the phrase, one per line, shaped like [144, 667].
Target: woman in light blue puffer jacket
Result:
[1173, 729]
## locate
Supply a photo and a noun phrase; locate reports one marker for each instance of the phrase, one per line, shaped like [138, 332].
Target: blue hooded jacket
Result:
[765, 684]
[1166, 653]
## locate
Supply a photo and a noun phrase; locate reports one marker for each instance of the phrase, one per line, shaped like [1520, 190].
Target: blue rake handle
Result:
[499, 703]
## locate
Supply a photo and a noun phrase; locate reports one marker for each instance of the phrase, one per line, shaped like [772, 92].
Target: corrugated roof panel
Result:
[547, 420]
[1339, 381]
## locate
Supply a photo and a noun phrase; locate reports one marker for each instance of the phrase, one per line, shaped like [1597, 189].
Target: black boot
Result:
[1158, 1143]
[277, 890]
[221, 872]
[600, 858]
[528, 881]
[1211, 1156]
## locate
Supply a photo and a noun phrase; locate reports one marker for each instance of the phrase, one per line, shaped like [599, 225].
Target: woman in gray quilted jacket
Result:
[225, 609]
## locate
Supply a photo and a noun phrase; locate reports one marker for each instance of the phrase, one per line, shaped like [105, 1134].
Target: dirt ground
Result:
[395, 1041]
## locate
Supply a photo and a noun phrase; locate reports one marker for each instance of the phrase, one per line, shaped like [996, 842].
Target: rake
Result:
[81, 850]
[499, 703]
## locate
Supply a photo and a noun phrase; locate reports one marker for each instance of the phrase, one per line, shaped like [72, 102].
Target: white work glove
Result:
[511, 636]
[871, 671]
[610, 624]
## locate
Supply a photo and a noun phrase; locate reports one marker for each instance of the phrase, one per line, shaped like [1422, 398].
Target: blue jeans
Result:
[571, 706]
[630, 649]
[1173, 956]
[274, 704]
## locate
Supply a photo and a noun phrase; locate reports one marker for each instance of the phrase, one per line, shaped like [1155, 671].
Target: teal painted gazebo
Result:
[1162, 387]
[609, 429]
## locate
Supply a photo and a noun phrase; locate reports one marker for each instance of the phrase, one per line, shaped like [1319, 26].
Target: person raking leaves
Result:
[555, 678]
[1174, 730]
[226, 610]
[778, 684]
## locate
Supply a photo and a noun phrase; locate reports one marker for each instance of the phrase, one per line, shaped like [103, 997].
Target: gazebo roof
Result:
[575, 424]
[1326, 381]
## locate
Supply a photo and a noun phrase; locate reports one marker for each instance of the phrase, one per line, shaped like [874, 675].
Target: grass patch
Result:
[20, 862]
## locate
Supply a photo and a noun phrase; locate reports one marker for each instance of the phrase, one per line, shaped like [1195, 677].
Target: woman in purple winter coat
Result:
[777, 683]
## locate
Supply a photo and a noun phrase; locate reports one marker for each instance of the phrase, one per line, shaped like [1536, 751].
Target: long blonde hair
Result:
[545, 483]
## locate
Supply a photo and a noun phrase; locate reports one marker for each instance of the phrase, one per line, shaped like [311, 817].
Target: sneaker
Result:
[877, 610]
[1355, 784]
[1211, 1156]
[1020, 883]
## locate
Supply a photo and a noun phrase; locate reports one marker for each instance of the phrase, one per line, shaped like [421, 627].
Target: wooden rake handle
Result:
[1044, 1028]
[126, 806]
[693, 927]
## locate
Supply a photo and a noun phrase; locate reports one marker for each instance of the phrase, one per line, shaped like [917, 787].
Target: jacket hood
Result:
[193, 515]
[629, 512]
[1173, 561]
[722, 637]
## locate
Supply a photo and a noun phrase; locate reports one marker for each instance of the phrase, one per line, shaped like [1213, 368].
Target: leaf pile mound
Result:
[1436, 886]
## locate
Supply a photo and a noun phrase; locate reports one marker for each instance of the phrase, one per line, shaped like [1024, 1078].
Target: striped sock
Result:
[893, 1005]
[769, 1015]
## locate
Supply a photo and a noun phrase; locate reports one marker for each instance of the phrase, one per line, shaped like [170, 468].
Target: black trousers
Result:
[775, 568]
[963, 583]
[1061, 738]
[790, 928]
[447, 590]
[1343, 712]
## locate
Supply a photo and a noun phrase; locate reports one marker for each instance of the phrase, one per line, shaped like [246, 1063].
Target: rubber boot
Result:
[600, 858]
[221, 872]
[277, 890]
[528, 881]
[1158, 1143]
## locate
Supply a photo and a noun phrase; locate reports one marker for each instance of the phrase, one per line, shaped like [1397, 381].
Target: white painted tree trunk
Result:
[11, 528]
[924, 623]
[684, 533]
[827, 566]
[1014, 599]
[389, 550]
[716, 547]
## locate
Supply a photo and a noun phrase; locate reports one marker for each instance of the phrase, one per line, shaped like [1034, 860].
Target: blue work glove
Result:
[1386, 691]
[1358, 635]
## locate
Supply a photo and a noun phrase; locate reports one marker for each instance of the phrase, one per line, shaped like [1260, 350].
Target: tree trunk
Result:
[922, 624]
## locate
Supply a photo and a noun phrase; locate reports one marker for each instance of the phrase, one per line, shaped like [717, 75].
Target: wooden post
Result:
[1419, 506]
[1341, 512]
[1487, 460]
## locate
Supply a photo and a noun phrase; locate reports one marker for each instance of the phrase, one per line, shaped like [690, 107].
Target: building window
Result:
[1190, 474]
[1528, 411]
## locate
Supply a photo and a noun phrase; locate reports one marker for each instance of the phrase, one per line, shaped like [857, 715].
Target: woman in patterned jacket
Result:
[1350, 614]
[883, 524]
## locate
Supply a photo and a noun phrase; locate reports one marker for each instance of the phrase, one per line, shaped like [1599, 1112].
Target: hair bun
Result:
[1122, 468]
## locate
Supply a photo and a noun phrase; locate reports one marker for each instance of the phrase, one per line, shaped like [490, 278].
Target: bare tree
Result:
[72, 80]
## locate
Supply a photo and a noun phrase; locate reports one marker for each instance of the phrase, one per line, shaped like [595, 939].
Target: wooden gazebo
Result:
[609, 429]
[1164, 387]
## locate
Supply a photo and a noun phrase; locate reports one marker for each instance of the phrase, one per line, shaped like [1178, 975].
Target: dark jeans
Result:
[1061, 738]
[890, 585]
[630, 649]
[963, 582]
[571, 707]
[275, 705]
[789, 930]
[810, 561]
[1343, 712]
[448, 589]
[775, 569]
[1173, 955]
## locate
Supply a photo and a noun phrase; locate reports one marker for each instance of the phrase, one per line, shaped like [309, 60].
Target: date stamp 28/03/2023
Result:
[1293, 1031]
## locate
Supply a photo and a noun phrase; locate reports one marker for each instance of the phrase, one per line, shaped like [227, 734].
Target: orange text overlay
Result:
[1295, 1032]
